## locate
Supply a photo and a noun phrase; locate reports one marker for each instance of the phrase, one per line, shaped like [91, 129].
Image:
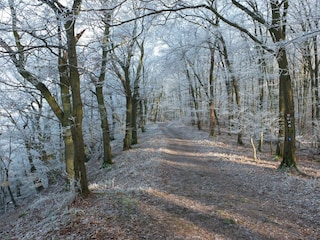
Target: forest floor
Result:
[178, 183]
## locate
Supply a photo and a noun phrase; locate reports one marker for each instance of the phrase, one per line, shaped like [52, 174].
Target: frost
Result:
[177, 183]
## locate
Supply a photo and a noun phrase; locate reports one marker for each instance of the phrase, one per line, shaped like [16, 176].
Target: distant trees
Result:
[131, 87]
[266, 25]
[254, 67]
[127, 59]
[305, 63]
[278, 30]
[202, 83]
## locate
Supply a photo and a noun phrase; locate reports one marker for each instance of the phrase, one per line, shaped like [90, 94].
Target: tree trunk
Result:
[280, 143]
[316, 76]
[69, 154]
[212, 118]
[315, 94]
[261, 82]
[211, 92]
[195, 101]
[289, 148]
[136, 94]
[114, 119]
[9, 188]
[237, 94]
[107, 153]
[143, 113]
[286, 101]
[234, 86]
[198, 110]
[135, 102]
[128, 131]
[80, 169]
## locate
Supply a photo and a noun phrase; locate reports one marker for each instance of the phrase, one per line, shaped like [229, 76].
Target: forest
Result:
[85, 81]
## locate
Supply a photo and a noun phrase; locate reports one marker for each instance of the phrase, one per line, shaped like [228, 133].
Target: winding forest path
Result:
[178, 183]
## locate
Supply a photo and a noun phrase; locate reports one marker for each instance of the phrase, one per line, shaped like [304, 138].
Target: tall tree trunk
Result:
[136, 94]
[261, 81]
[211, 93]
[128, 131]
[69, 154]
[107, 153]
[80, 168]
[237, 93]
[234, 86]
[114, 118]
[315, 75]
[286, 101]
[316, 79]
[143, 114]
[212, 118]
[125, 79]
[134, 133]
[281, 132]
[195, 101]
[289, 148]
[199, 109]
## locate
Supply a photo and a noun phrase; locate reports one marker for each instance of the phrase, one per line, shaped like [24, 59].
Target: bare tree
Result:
[277, 29]
[306, 65]
[122, 60]
[99, 83]
[71, 114]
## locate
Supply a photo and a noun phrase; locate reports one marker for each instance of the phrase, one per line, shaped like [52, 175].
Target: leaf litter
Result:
[177, 183]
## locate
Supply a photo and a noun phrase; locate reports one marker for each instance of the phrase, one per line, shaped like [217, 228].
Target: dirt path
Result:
[210, 194]
[179, 184]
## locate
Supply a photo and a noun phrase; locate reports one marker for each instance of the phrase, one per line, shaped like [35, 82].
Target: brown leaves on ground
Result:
[178, 183]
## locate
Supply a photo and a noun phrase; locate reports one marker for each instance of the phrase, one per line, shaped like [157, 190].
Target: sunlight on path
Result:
[222, 185]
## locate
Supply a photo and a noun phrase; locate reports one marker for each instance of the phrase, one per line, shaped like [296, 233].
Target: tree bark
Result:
[143, 114]
[234, 86]
[195, 100]
[286, 100]
[69, 153]
[211, 93]
[107, 152]
[289, 148]
[128, 131]
[77, 111]
[136, 95]
[134, 133]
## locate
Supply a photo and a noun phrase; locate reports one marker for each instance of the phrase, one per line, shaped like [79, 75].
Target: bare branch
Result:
[31, 78]
[156, 12]
[240, 28]
[254, 15]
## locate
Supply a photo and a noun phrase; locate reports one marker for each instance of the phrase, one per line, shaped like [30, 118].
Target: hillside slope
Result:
[178, 183]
